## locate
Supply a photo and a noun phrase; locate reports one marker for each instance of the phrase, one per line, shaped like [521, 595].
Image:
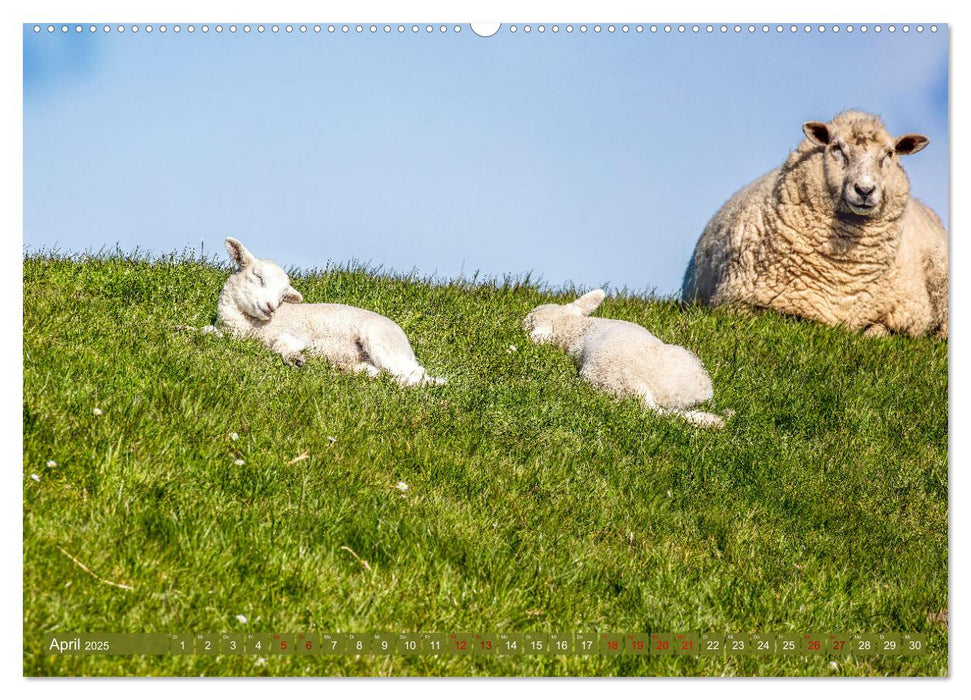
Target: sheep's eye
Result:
[838, 152]
[888, 158]
[259, 277]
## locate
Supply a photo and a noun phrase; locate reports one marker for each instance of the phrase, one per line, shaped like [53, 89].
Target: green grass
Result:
[534, 503]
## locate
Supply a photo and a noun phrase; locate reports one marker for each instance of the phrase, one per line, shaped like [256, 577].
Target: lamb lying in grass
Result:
[257, 301]
[625, 359]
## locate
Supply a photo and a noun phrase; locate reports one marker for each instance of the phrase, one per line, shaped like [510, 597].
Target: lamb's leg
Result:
[875, 330]
[367, 368]
[397, 359]
[699, 418]
[205, 329]
[434, 381]
[702, 418]
[289, 347]
[419, 377]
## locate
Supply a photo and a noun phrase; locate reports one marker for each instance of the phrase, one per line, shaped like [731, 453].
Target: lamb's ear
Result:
[909, 144]
[238, 253]
[589, 302]
[817, 132]
[292, 296]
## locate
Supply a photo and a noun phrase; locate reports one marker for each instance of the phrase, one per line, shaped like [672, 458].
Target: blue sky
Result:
[585, 158]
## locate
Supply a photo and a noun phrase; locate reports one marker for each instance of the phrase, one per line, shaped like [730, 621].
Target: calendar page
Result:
[459, 349]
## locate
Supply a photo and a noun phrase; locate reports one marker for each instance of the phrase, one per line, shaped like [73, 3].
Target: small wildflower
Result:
[332, 438]
[242, 619]
[239, 462]
[260, 662]
[35, 477]
[670, 495]
[833, 665]
[402, 486]
[96, 411]
[511, 349]
[234, 436]
[51, 464]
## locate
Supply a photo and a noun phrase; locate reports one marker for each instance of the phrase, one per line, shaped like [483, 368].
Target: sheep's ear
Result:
[238, 253]
[589, 302]
[909, 144]
[292, 296]
[817, 132]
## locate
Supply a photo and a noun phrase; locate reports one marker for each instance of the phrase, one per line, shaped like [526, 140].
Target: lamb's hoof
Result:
[877, 330]
[297, 360]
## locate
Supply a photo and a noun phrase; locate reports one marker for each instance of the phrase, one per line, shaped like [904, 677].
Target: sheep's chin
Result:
[862, 211]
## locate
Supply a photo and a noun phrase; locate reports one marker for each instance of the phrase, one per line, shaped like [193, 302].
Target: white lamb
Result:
[257, 301]
[625, 359]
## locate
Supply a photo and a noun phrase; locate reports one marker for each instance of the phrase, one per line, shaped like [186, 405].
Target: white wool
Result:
[833, 236]
[625, 359]
[258, 302]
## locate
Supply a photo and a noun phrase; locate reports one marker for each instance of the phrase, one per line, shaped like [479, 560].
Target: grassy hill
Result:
[533, 503]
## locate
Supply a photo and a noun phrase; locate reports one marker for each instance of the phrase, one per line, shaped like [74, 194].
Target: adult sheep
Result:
[833, 236]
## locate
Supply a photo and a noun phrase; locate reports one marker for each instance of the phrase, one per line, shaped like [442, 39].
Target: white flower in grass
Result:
[402, 486]
[260, 662]
[51, 464]
[242, 619]
[35, 477]
[511, 349]
[239, 462]
[234, 436]
[96, 411]
[833, 665]
[332, 438]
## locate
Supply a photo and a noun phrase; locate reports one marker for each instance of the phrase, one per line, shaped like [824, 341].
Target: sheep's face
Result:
[542, 322]
[861, 163]
[259, 287]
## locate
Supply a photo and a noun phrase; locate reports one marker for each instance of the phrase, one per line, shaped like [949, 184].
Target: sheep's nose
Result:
[864, 190]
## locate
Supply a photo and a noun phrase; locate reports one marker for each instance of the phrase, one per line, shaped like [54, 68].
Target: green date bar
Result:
[485, 644]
